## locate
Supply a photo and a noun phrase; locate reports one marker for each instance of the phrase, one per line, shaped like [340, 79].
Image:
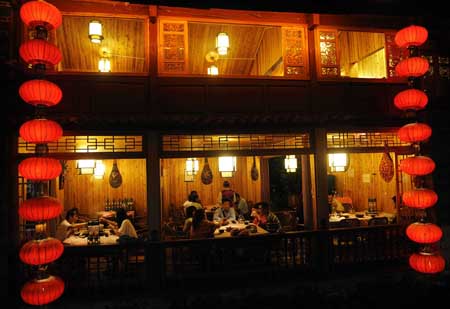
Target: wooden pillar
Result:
[265, 180]
[322, 211]
[153, 186]
[308, 214]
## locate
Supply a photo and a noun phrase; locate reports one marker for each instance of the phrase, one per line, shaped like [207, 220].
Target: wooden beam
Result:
[153, 186]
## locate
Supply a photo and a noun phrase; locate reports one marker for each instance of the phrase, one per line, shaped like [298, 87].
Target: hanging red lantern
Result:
[40, 92]
[424, 233]
[40, 209]
[40, 52]
[411, 36]
[40, 13]
[420, 198]
[40, 168]
[412, 67]
[41, 251]
[40, 131]
[417, 166]
[414, 132]
[42, 291]
[427, 263]
[411, 99]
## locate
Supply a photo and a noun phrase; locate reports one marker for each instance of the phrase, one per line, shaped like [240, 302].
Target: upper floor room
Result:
[114, 37]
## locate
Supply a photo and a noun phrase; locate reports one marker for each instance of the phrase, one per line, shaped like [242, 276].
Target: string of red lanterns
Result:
[425, 233]
[39, 54]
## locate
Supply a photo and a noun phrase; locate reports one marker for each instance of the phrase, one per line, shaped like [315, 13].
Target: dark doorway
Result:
[285, 188]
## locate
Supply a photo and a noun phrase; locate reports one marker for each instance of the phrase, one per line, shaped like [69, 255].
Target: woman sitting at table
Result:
[201, 227]
[188, 221]
[264, 218]
[68, 226]
[122, 226]
[193, 200]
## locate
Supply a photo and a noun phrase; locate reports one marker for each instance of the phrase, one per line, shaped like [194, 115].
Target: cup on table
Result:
[221, 231]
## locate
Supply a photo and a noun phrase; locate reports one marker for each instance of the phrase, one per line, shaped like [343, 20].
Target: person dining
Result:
[122, 226]
[192, 200]
[68, 226]
[226, 193]
[264, 218]
[241, 206]
[201, 227]
[225, 213]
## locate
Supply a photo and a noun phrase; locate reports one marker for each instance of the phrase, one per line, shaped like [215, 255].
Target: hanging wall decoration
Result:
[386, 167]
[38, 54]
[424, 232]
[115, 178]
[207, 176]
[254, 171]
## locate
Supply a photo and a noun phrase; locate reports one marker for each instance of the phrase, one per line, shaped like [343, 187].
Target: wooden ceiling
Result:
[124, 39]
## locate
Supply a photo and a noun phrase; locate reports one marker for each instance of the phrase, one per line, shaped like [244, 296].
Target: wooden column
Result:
[153, 186]
[308, 214]
[322, 211]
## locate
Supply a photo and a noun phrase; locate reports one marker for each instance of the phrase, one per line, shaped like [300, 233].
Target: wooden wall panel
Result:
[89, 194]
[230, 99]
[174, 190]
[270, 53]
[182, 99]
[289, 98]
[350, 183]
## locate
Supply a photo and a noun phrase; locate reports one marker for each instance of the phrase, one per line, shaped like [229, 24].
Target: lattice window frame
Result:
[370, 140]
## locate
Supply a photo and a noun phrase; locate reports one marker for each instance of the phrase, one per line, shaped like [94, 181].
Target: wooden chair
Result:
[378, 221]
[349, 222]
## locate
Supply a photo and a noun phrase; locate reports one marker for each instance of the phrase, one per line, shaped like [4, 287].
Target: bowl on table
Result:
[359, 215]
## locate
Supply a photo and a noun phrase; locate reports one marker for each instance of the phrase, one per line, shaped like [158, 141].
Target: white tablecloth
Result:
[79, 241]
[240, 226]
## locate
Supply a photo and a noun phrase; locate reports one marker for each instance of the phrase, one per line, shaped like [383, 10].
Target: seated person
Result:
[68, 226]
[122, 226]
[241, 206]
[188, 221]
[225, 213]
[201, 227]
[264, 218]
[193, 200]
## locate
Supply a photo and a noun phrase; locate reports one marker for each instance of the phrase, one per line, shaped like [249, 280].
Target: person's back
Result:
[201, 227]
[226, 193]
[124, 224]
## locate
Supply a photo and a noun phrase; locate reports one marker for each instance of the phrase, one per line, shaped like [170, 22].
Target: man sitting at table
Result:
[263, 217]
[225, 213]
[69, 225]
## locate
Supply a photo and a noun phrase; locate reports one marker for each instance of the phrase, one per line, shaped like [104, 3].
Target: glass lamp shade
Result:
[192, 166]
[40, 92]
[40, 209]
[40, 292]
[420, 198]
[86, 167]
[38, 51]
[40, 131]
[40, 168]
[41, 251]
[40, 13]
[95, 31]
[99, 170]
[411, 99]
[338, 162]
[227, 166]
[222, 43]
[104, 65]
[213, 70]
[290, 163]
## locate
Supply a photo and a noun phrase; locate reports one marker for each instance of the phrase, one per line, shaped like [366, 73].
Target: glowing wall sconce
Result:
[85, 167]
[222, 43]
[104, 65]
[213, 70]
[338, 162]
[95, 31]
[99, 170]
[290, 163]
[192, 166]
[227, 166]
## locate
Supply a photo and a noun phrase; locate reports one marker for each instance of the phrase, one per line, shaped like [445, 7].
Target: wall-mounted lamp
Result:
[227, 166]
[85, 167]
[99, 170]
[104, 64]
[222, 43]
[290, 163]
[338, 162]
[213, 70]
[95, 31]
[192, 166]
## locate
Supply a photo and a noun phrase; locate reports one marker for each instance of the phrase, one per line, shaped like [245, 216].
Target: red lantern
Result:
[40, 13]
[40, 209]
[40, 52]
[40, 92]
[411, 36]
[411, 99]
[427, 263]
[41, 251]
[414, 132]
[420, 198]
[412, 67]
[40, 168]
[40, 131]
[424, 233]
[417, 166]
[42, 291]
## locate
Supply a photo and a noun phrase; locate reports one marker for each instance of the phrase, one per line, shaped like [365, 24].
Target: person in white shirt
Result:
[69, 225]
[193, 200]
[225, 213]
[123, 225]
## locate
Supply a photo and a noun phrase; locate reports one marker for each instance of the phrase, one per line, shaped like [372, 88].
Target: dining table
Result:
[225, 230]
[363, 217]
[78, 241]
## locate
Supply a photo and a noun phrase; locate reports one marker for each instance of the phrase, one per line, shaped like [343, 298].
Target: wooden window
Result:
[295, 52]
[173, 47]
